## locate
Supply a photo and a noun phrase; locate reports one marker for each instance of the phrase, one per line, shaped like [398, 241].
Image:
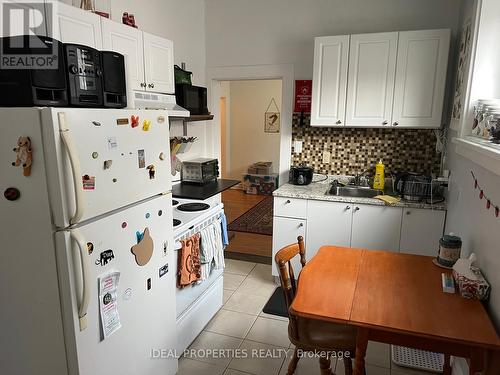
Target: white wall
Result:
[249, 142]
[242, 32]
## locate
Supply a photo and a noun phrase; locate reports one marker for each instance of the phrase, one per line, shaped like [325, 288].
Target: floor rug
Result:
[258, 219]
[276, 304]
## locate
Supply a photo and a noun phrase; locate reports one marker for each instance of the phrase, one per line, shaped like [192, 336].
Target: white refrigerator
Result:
[86, 193]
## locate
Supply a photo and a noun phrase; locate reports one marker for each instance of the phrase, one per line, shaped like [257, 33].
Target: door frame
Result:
[285, 72]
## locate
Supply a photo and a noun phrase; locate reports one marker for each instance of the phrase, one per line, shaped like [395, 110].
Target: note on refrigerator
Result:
[108, 309]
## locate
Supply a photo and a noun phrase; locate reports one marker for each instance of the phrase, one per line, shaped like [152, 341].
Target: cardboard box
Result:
[262, 167]
[260, 184]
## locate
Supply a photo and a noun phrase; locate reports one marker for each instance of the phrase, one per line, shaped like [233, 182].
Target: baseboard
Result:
[459, 366]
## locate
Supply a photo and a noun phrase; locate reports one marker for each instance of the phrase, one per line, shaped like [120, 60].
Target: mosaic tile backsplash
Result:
[355, 150]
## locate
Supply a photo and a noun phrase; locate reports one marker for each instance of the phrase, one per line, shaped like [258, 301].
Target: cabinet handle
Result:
[348, 208]
[301, 225]
[408, 212]
[288, 201]
[385, 123]
[338, 122]
[356, 209]
[152, 85]
[395, 123]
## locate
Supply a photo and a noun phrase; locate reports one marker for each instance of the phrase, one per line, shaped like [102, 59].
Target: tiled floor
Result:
[241, 325]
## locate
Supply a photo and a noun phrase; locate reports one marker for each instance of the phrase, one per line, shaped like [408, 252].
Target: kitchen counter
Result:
[317, 190]
[193, 191]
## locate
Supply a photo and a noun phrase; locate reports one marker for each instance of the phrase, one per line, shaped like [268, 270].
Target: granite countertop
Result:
[318, 188]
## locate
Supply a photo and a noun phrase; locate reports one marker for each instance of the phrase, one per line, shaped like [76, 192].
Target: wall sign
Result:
[303, 95]
[272, 118]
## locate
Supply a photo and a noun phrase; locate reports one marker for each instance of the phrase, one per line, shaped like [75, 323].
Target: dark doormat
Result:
[276, 304]
[248, 257]
[258, 219]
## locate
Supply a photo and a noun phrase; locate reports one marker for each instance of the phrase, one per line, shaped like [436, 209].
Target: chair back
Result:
[283, 259]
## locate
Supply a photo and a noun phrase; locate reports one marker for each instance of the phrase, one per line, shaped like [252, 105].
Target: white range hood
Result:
[148, 100]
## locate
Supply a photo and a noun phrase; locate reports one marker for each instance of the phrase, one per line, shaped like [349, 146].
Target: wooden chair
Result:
[311, 335]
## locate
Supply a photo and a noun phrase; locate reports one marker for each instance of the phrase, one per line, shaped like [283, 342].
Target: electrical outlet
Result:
[297, 147]
[327, 156]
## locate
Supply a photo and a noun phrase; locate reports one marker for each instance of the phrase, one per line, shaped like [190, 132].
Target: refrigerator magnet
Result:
[127, 294]
[112, 143]
[143, 251]
[90, 247]
[134, 121]
[105, 258]
[160, 119]
[107, 164]
[141, 158]
[24, 155]
[152, 171]
[88, 182]
[146, 125]
[96, 123]
[122, 121]
[162, 156]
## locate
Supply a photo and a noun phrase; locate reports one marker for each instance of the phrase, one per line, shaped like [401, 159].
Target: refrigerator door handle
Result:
[75, 167]
[85, 264]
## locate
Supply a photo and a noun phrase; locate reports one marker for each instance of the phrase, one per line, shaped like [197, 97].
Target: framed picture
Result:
[272, 119]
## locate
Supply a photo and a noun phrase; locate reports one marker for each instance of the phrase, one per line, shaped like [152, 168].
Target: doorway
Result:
[246, 139]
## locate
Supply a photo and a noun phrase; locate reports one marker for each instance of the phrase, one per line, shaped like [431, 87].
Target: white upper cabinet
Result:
[127, 41]
[331, 56]
[420, 78]
[159, 64]
[370, 87]
[74, 25]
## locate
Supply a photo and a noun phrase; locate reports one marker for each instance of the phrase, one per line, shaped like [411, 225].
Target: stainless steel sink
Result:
[354, 191]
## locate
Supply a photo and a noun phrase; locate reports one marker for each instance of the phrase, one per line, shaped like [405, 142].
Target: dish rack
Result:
[196, 228]
[417, 191]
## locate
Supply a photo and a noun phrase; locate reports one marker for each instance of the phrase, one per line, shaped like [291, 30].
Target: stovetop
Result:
[183, 211]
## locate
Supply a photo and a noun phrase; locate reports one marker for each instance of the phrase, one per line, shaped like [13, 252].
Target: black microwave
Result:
[193, 98]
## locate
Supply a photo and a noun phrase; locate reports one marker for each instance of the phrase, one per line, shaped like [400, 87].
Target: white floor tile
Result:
[262, 272]
[232, 281]
[378, 354]
[226, 295]
[270, 331]
[238, 267]
[209, 340]
[246, 303]
[234, 372]
[258, 287]
[262, 359]
[306, 366]
[231, 323]
[192, 367]
[370, 369]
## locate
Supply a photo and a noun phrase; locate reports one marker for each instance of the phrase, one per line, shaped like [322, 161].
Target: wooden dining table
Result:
[397, 299]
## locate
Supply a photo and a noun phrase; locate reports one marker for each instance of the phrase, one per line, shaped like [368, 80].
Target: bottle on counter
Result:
[379, 179]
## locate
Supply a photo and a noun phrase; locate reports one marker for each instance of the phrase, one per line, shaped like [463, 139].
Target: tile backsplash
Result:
[354, 150]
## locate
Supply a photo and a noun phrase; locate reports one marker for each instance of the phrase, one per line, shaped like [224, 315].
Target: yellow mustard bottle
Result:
[379, 179]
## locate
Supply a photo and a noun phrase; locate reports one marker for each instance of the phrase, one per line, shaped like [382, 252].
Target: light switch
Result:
[327, 156]
[297, 147]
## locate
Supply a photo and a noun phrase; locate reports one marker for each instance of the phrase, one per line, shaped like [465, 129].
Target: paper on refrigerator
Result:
[108, 309]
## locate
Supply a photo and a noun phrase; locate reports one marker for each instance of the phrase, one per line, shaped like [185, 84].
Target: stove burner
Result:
[193, 207]
[174, 202]
[177, 222]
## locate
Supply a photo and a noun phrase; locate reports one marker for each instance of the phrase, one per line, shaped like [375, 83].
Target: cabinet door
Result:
[421, 78]
[159, 64]
[24, 18]
[376, 227]
[331, 56]
[127, 41]
[74, 25]
[285, 232]
[421, 230]
[370, 85]
[328, 223]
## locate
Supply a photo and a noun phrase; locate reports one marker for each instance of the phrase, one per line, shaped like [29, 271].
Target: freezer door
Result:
[99, 160]
[32, 340]
[145, 298]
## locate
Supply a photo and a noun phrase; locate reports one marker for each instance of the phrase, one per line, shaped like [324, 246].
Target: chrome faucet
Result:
[356, 180]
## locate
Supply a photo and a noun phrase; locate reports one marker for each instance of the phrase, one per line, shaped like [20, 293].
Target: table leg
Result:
[447, 365]
[361, 345]
[476, 365]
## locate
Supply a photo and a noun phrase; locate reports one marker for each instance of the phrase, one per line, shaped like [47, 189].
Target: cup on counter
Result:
[450, 247]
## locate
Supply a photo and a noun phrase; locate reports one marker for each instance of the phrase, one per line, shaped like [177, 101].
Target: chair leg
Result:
[324, 365]
[348, 366]
[292, 366]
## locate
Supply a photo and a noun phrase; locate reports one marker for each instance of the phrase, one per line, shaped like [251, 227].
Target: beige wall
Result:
[248, 141]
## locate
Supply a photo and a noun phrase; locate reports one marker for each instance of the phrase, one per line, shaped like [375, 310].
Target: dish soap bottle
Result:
[379, 179]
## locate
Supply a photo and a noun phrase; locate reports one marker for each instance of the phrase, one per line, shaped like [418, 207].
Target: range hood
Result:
[148, 100]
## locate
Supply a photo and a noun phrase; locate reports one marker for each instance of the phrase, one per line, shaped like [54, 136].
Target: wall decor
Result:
[353, 150]
[482, 195]
[461, 75]
[272, 119]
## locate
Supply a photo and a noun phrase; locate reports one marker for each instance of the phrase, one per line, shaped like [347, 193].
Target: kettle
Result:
[301, 175]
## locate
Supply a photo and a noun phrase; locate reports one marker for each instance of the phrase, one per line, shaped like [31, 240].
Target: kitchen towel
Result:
[188, 265]
[388, 200]
[207, 251]
[223, 221]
